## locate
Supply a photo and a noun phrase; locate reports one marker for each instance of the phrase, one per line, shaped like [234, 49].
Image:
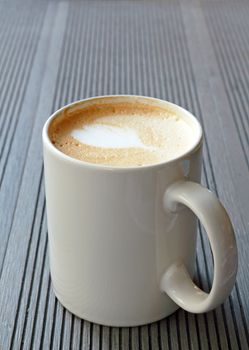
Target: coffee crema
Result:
[121, 134]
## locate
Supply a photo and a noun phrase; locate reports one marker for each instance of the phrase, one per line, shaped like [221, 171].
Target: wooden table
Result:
[194, 53]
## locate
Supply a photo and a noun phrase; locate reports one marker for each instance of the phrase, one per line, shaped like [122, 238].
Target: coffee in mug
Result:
[120, 134]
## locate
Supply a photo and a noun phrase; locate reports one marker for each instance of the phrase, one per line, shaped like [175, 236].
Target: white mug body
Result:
[110, 237]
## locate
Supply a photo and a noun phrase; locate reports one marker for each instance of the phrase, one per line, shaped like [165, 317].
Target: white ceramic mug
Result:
[122, 241]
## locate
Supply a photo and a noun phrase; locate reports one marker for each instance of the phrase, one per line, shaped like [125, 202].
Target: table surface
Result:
[194, 53]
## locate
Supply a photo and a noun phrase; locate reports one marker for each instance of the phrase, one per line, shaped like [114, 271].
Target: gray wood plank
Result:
[125, 339]
[86, 336]
[95, 336]
[144, 337]
[115, 338]
[164, 334]
[174, 333]
[135, 338]
[106, 335]
[154, 336]
[77, 332]
[29, 326]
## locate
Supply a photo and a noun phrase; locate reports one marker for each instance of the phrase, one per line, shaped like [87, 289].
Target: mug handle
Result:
[176, 281]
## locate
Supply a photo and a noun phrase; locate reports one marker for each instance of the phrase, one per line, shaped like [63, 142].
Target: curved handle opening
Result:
[176, 281]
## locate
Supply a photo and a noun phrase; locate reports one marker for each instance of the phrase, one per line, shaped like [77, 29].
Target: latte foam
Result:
[121, 134]
[107, 136]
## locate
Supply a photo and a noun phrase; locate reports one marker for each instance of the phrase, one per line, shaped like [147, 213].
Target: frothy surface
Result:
[121, 134]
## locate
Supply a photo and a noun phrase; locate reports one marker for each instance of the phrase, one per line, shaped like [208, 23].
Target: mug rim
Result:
[95, 166]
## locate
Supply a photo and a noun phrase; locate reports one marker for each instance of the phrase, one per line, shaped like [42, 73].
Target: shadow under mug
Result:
[122, 240]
